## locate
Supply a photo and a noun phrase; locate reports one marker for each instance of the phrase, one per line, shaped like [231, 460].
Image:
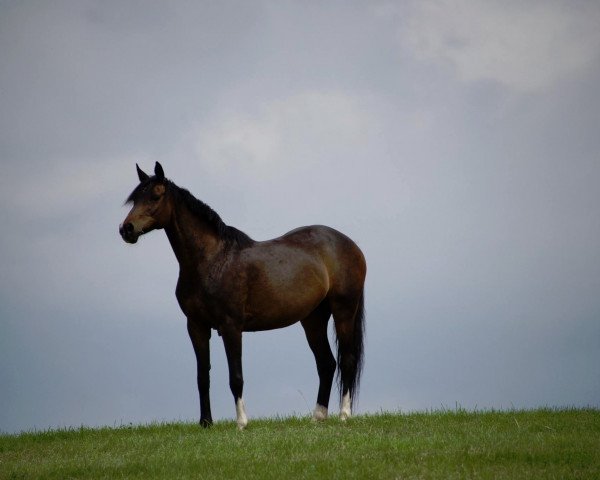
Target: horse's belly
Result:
[279, 318]
[284, 298]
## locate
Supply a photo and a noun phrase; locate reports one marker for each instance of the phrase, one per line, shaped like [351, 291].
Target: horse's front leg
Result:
[200, 336]
[232, 339]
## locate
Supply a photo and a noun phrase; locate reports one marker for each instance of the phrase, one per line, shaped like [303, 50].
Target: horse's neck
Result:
[192, 239]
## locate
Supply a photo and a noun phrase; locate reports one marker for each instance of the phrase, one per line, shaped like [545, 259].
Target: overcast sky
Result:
[457, 142]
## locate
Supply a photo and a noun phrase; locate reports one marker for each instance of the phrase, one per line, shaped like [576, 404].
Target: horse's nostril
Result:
[126, 229]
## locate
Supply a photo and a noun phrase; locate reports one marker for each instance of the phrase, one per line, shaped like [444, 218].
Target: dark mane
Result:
[203, 211]
[198, 208]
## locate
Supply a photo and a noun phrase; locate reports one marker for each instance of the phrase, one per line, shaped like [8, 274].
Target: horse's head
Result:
[151, 205]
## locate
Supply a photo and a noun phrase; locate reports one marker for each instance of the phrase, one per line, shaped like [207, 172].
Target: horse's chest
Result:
[198, 300]
[191, 305]
[191, 300]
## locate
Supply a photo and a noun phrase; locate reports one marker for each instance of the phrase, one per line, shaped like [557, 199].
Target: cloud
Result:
[266, 138]
[526, 46]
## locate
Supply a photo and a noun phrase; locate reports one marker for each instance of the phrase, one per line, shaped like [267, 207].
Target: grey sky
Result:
[456, 142]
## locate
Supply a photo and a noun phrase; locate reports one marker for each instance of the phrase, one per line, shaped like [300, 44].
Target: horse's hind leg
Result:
[348, 316]
[315, 328]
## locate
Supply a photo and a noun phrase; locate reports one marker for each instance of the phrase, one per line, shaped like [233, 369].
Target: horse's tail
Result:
[350, 353]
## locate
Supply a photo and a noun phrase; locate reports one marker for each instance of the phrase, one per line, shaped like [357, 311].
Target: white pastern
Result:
[346, 410]
[240, 411]
[320, 413]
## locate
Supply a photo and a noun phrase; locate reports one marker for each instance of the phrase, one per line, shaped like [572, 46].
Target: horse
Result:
[230, 283]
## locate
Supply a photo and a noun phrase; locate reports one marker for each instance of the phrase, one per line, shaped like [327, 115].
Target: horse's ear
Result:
[141, 175]
[159, 172]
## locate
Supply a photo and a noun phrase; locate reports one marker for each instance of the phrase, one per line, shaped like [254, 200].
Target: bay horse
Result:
[233, 284]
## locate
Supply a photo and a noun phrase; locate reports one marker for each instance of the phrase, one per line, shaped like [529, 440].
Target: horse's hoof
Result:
[344, 415]
[205, 422]
[319, 414]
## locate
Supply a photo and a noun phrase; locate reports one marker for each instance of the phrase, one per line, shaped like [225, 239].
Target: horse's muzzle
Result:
[127, 231]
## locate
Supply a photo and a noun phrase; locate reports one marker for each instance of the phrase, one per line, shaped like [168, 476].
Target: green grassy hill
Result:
[516, 444]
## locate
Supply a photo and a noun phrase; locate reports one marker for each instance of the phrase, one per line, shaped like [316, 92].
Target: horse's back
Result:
[318, 235]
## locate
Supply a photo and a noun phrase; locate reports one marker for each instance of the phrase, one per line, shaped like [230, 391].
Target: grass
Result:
[458, 444]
